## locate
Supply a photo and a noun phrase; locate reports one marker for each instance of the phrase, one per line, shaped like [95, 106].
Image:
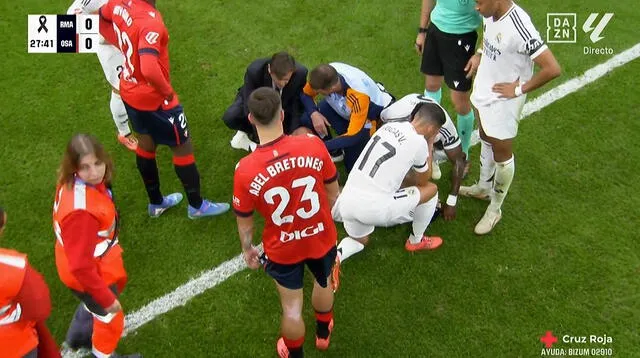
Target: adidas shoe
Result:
[168, 202]
[241, 141]
[488, 221]
[475, 191]
[207, 208]
[435, 170]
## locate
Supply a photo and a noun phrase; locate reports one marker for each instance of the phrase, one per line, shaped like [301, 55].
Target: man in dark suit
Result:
[283, 74]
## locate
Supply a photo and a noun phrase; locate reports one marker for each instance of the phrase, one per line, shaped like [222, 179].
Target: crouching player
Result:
[292, 182]
[372, 196]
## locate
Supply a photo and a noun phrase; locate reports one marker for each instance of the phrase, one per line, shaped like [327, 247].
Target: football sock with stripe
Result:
[487, 165]
[504, 176]
[187, 171]
[465, 128]
[348, 247]
[422, 218]
[119, 114]
[322, 323]
[146, 163]
[436, 96]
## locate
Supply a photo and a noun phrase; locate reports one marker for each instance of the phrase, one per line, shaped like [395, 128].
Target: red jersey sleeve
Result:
[243, 200]
[79, 230]
[34, 296]
[106, 11]
[329, 171]
[151, 37]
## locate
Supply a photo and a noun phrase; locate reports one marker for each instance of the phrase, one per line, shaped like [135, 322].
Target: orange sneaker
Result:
[323, 343]
[335, 275]
[427, 243]
[128, 141]
[282, 349]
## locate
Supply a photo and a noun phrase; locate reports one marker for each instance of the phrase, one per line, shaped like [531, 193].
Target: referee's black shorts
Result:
[447, 54]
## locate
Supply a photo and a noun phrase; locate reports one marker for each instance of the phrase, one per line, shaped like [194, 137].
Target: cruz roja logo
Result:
[561, 28]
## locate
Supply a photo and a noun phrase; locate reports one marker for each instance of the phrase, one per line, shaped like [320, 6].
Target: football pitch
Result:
[565, 258]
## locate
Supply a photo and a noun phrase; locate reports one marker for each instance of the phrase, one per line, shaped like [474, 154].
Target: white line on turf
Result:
[209, 279]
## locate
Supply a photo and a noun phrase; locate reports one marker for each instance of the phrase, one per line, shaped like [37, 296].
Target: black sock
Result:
[296, 352]
[149, 171]
[322, 329]
[190, 179]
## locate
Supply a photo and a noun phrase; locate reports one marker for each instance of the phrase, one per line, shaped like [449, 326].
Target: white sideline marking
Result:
[574, 84]
[209, 279]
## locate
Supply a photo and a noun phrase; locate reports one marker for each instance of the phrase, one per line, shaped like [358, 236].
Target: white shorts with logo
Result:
[500, 119]
[111, 60]
[361, 212]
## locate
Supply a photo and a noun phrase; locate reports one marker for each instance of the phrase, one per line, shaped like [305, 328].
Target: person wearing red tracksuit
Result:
[25, 305]
[88, 254]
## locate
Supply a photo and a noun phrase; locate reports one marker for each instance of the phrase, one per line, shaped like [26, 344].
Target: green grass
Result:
[564, 257]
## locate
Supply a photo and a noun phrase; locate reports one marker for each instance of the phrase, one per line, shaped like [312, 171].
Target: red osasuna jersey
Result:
[139, 30]
[284, 181]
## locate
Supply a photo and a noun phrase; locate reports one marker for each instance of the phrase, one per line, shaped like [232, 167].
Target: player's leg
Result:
[431, 65]
[289, 283]
[322, 296]
[352, 152]
[415, 204]
[234, 118]
[482, 189]
[500, 134]
[456, 52]
[80, 330]
[111, 60]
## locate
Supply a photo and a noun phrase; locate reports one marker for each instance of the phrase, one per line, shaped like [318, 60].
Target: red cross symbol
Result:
[548, 339]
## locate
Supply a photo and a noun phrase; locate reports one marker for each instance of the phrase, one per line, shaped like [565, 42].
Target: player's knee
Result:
[461, 102]
[292, 310]
[427, 192]
[433, 83]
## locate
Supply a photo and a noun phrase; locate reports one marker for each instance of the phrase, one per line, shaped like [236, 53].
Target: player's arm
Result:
[149, 42]
[307, 97]
[358, 102]
[456, 156]
[533, 46]
[243, 207]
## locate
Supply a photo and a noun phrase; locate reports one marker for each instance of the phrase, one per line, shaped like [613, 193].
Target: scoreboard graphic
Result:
[63, 33]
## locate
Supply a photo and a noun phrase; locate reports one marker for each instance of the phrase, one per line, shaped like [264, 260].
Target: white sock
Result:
[487, 165]
[504, 176]
[119, 114]
[421, 219]
[348, 247]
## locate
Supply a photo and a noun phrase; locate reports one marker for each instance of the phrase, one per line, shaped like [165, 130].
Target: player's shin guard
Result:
[106, 334]
[187, 171]
[504, 176]
[322, 323]
[348, 247]
[465, 128]
[119, 114]
[422, 218]
[436, 96]
[146, 162]
[487, 165]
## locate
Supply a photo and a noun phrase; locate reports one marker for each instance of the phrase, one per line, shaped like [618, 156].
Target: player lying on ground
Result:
[372, 195]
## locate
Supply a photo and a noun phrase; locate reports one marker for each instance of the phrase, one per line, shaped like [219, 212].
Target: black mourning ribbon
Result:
[42, 20]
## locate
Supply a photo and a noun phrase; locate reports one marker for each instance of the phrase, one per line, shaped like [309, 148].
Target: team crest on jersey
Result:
[152, 37]
[498, 38]
[275, 153]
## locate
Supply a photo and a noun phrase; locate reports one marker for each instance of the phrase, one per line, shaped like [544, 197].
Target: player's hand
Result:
[115, 307]
[170, 102]
[320, 123]
[449, 212]
[252, 258]
[472, 65]
[506, 89]
[420, 42]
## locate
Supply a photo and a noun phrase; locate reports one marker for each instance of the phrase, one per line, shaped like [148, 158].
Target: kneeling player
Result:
[372, 195]
[446, 146]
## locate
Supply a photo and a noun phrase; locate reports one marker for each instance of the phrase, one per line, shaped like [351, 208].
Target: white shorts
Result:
[111, 60]
[361, 212]
[500, 119]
